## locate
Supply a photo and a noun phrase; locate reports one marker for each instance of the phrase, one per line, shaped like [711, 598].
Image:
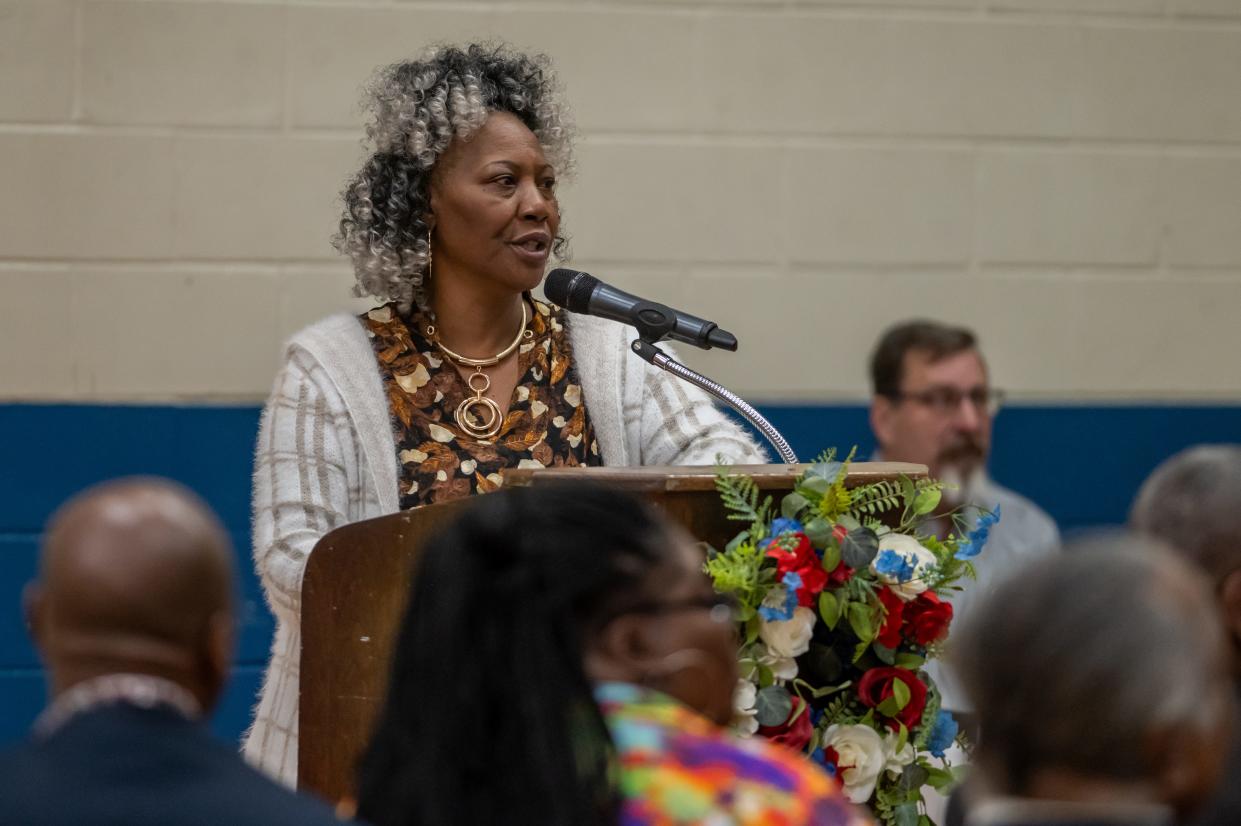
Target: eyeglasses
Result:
[721, 608]
[947, 400]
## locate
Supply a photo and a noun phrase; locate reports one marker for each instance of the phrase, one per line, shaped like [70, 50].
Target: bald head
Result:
[135, 576]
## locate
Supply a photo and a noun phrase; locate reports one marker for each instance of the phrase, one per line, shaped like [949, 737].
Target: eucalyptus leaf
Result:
[913, 777]
[818, 531]
[850, 523]
[825, 470]
[815, 484]
[859, 547]
[774, 705]
[905, 814]
[829, 609]
[886, 655]
[926, 501]
[739, 539]
[792, 505]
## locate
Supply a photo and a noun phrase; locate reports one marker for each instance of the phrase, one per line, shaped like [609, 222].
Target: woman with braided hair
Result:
[564, 660]
[459, 373]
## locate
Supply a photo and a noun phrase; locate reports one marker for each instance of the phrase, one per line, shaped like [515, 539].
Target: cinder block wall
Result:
[1065, 175]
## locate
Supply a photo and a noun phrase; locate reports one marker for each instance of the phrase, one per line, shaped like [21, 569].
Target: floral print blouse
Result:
[547, 424]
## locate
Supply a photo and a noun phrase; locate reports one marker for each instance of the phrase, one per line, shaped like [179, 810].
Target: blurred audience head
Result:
[135, 577]
[517, 608]
[1100, 679]
[932, 403]
[1193, 503]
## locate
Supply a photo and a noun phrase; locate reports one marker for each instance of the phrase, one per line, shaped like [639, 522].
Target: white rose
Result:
[782, 668]
[745, 698]
[860, 758]
[791, 637]
[896, 761]
[909, 549]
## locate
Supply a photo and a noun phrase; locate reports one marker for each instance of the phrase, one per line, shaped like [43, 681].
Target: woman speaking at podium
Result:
[460, 373]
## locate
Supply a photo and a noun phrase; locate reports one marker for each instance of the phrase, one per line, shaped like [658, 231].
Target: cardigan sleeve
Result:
[305, 476]
[681, 425]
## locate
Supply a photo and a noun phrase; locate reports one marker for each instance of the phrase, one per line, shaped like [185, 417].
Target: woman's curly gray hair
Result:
[417, 108]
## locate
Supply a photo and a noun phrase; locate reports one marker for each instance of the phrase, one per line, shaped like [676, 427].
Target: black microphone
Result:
[581, 292]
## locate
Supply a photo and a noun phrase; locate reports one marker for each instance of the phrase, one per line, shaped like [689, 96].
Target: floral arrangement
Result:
[841, 606]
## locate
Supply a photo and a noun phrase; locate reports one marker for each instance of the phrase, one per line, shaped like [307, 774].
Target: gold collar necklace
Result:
[477, 415]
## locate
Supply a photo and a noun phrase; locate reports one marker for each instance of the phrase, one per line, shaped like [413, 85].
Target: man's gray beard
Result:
[961, 486]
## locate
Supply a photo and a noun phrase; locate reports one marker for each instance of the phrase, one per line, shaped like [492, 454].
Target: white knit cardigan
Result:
[326, 457]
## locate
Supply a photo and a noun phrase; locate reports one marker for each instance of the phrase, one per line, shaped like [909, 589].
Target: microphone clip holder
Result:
[651, 332]
[654, 321]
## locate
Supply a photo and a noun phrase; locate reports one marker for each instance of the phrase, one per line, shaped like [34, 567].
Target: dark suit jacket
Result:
[128, 766]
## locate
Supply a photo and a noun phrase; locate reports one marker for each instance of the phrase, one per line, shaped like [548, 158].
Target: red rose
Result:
[791, 551]
[795, 732]
[813, 580]
[839, 575]
[876, 686]
[927, 618]
[794, 553]
[890, 631]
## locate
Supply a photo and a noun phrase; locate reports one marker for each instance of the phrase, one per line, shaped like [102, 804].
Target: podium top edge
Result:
[702, 477]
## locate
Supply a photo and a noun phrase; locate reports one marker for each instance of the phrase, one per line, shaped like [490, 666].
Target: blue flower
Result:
[943, 733]
[781, 525]
[894, 565]
[820, 757]
[976, 538]
[775, 610]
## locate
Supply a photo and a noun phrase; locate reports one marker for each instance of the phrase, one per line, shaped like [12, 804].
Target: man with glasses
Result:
[933, 404]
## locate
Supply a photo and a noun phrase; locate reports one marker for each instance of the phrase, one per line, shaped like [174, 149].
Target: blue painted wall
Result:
[1082, 464]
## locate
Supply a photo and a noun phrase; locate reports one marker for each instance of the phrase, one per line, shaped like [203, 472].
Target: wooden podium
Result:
[357, 577]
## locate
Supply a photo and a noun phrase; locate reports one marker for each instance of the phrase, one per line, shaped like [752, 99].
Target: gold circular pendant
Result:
[479, 417]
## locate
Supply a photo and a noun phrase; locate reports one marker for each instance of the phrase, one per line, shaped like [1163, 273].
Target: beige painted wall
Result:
[1064, 175]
